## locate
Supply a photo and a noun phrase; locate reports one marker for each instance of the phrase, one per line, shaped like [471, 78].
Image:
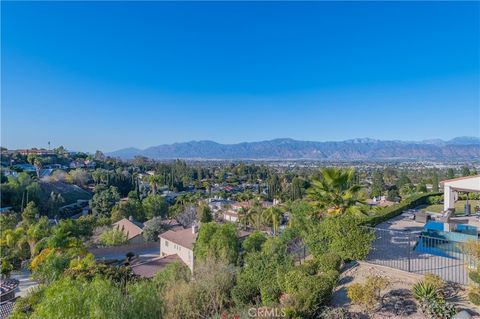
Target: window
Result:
[166, 243]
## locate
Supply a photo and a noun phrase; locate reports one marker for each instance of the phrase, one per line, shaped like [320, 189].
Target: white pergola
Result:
[468, 184]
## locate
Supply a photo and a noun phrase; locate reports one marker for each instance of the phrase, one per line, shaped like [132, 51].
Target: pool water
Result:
[436, 241]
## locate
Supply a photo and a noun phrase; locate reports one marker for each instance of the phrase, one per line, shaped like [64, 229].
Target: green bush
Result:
[307, 295]
[429, 292]
[424, 290]
[438, 308]
[329, 261]
[113, 237]
[342, 235]
[369, 294]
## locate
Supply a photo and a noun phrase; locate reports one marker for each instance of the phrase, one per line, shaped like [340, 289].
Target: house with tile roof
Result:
[132, 229]
[179, 243]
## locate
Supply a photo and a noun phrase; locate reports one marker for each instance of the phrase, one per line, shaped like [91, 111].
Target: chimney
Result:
[194, 228]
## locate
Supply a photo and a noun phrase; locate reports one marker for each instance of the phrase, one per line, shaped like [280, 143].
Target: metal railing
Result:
[418, 253]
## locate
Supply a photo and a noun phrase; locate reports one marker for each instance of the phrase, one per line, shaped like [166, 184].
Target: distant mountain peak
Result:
[287, 148]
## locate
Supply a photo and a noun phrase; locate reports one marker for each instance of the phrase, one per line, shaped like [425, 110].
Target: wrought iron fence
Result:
[417, 253]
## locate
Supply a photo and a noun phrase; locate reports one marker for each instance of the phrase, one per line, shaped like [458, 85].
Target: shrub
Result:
[25, 306]
[424, 290]
[254, 242]
[429, 292]
[113, 237]
[435, 281]
[369, 294]
[153, 228]
[307, 293]
[342, 235]
[329, 261]
[438, 309]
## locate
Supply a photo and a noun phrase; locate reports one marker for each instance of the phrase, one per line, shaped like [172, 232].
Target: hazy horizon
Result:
[112, 75]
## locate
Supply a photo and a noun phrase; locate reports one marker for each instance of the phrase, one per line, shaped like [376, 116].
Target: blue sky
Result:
[108, 75]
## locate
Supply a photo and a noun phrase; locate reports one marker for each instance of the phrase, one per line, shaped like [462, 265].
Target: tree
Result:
[296, 189]
[38, 166]
[126, 209]
[435, 181]
[155, 205]
[103, 201]
[274, 215]
[254, 242]
[392, 194]
[99, 156]
[54, 202]
[153, 228]
[79, 177]
[273, 186]
[36, 232]
[378, 184]
[450, 173]
[113, 237]
[465, 171]
[421, 187]
[407, 189]
[219, 242]
[335, 192]
[49, 265]
[30, 214]
[403, 180]
[204, 214]
[70, 298]
[341, 234]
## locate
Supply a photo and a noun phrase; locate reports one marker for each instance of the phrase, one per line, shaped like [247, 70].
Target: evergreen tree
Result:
[435, 181]
[450, 173]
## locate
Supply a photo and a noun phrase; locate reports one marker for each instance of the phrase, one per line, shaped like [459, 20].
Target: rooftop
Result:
[184, 237]
[130, 228]
[150, 267]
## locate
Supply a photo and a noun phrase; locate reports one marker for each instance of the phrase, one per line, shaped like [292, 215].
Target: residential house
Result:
[230, 215]
[132, 229]
[181, 243]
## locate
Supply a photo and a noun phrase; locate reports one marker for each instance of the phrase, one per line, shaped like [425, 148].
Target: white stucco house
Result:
[451, 187]
[179, 242]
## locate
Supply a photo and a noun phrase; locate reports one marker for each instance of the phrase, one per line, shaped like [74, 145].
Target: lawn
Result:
[459, 206]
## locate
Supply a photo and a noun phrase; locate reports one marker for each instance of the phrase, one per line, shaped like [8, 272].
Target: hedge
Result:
[395, 210]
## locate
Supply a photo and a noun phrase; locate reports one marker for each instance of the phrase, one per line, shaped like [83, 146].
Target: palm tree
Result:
[273, 214]
[154, 180]
[243, 217]
[255, 217]
[38, 166]
[335, 192]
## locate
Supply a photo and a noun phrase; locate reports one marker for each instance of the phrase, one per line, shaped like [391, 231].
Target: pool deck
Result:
[406, 222]
[395, 247]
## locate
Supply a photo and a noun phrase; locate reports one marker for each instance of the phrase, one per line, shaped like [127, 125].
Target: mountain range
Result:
[286, 148]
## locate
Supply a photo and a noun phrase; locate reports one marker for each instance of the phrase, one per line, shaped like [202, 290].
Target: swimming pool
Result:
[435, 240]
